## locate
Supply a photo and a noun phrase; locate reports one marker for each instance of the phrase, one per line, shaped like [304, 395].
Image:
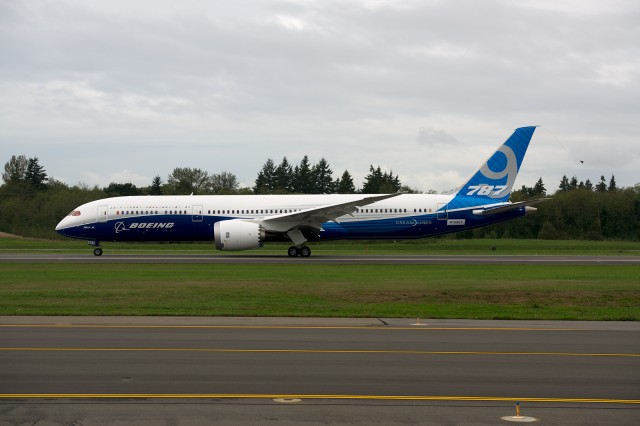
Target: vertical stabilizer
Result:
[493, 181]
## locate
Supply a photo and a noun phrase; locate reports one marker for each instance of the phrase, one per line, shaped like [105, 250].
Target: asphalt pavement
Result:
[97, 370]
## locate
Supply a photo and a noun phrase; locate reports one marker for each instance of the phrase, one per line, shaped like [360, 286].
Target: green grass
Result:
[426, 291]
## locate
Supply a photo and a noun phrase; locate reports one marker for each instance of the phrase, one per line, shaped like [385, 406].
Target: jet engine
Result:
[238, 234]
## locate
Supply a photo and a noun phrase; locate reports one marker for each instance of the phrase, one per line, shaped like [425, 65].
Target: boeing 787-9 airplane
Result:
[244, 222]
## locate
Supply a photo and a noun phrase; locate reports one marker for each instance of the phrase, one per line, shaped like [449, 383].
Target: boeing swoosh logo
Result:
[120, 227]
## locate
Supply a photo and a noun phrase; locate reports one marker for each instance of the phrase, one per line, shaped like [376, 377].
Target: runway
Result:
[385, 370]
[321, 259]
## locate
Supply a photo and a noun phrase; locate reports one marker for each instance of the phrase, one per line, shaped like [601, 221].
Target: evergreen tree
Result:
[372, 181]
[323, 178]
[390, 183]
[573, 183]
[35, 175]
[156, 186]
[564, 184]
[302, 178]
[539, 189]
[344, 184]
[265, 182]
[377, 182]
[602, 185]
[588, 185]
[612, 184]
[283, 177]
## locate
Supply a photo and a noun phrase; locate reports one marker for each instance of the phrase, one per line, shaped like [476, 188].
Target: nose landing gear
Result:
[97, 251]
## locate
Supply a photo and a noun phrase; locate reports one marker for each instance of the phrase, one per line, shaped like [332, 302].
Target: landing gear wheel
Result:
[293, 251]
[305, 251]
[97, 251]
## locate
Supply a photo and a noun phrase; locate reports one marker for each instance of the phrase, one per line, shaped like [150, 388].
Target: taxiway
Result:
[249, 368]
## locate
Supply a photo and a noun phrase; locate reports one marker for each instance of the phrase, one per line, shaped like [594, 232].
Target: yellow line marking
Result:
[311, 396]
[317, 351]
[250, 327]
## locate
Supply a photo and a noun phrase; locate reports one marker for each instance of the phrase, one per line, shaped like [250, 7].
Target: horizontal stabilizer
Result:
[508, 207]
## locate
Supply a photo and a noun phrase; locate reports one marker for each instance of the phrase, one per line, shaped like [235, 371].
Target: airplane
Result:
[244, 222]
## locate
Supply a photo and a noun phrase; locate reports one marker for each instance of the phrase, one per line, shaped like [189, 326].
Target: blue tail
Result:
[493, 181]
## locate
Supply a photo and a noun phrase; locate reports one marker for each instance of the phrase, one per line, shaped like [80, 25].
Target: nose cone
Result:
[72, 225]
[60, 227]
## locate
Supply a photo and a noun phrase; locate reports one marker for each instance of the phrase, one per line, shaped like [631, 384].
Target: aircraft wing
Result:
[314, 218]
[508, 207]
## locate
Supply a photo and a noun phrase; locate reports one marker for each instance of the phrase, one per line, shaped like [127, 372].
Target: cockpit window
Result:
[74, 213]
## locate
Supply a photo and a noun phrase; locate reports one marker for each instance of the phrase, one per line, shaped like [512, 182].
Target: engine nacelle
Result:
[238, 234]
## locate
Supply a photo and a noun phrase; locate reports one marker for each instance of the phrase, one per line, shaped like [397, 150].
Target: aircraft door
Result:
[196, 213]
[442, 214]
[102, 213]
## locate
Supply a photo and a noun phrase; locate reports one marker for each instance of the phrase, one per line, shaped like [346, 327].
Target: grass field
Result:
[593, 292]
[425, 291]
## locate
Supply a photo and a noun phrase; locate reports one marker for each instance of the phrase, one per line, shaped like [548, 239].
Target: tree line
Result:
[576, 210]
[32, 203]
[305, 178]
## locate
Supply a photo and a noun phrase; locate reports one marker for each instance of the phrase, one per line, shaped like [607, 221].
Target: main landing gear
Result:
[97, 251]
[303, 251]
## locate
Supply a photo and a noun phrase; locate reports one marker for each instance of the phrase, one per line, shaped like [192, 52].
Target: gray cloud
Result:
[431, 137]
[136, 88]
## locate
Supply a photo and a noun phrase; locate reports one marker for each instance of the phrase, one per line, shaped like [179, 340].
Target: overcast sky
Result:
[121, 91]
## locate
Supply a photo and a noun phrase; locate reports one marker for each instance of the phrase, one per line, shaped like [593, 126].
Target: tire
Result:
[293, 251]
[305, 251]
